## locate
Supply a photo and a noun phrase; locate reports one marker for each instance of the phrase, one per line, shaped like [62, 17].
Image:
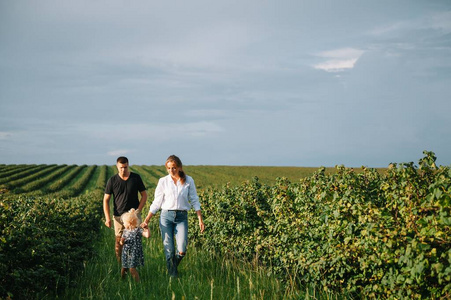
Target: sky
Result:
[247, 82]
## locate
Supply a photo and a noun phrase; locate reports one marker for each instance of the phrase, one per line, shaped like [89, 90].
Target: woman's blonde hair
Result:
[130, 219]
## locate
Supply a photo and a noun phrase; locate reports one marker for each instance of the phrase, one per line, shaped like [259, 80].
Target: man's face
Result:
[122, 168]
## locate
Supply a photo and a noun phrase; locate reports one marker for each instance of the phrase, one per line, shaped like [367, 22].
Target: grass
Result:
[202, 276]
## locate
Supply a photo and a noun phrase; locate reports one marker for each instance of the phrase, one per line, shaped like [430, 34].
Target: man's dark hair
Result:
[122, 160]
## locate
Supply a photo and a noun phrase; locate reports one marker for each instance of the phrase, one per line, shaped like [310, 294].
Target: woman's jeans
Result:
[174, 224]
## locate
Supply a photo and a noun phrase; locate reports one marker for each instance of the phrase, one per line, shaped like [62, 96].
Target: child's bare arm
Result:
[122, 241]
[146, 232]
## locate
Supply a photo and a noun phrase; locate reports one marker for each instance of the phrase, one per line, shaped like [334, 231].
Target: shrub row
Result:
[146, 175]
[40, 183]
[65, 180]
[17, 184]
[77, 187]
[377, 236]
[21, 173]
[43, 242]
[10, 170]
[103, 177]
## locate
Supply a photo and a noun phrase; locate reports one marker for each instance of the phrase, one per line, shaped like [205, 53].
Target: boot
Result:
[172, 267]
[118, 249]
[178, 259]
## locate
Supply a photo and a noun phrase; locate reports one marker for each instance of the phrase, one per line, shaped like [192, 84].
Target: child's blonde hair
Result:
[130, 219]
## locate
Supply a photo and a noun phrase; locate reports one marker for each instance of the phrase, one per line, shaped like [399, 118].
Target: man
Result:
[125, 187]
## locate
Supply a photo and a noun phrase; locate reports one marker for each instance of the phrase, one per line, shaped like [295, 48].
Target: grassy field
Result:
[71, 180]
[204, 275]
[295, 233]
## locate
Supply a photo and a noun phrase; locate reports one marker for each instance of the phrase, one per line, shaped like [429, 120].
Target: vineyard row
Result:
[65, 181]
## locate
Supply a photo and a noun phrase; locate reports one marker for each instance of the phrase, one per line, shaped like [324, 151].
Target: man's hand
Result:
[108, 223]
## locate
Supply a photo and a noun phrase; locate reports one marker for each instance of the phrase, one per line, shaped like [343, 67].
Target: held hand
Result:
[144, 225]
[146, 221]
[108, 223]
[146, 233]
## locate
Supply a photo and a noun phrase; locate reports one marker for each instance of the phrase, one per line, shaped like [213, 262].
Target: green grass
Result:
[202, 276]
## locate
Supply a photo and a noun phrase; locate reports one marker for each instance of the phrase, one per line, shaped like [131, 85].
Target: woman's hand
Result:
[201, 226]
[144, 225]
[201, 221]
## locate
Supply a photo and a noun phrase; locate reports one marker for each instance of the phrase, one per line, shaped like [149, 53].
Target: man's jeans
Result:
[174, 223]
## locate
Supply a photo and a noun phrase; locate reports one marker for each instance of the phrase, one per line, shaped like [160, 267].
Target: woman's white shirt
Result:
[172, 196]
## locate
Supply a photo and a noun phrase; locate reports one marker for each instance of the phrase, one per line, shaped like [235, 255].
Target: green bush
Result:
[44, 241]
[371, 234]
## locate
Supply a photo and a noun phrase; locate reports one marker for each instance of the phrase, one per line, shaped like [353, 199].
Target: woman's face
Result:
[173, 170]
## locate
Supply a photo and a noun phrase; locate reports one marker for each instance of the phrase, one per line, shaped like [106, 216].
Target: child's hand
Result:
[146, 233]
[122, 241]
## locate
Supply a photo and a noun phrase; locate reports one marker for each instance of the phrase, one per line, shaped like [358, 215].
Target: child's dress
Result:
[132, 252]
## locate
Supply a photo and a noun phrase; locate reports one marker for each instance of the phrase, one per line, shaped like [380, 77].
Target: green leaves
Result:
[44, 241]
[377, 235]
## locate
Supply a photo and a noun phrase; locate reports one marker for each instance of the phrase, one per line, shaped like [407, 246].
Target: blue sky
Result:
[282, 83]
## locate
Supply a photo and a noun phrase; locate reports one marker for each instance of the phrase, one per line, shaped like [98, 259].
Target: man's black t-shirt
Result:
[125, 192]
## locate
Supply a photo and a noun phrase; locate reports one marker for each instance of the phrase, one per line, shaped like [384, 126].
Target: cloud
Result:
[153, 131]
[339, 60]
[117, 153]
[201, 128]
[5, 135]
[439, 21]
[387, 29]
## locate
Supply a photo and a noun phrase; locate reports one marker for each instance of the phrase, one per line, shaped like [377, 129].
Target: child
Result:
[132, 252]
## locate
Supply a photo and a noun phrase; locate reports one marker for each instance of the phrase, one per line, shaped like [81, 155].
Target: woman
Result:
[175, 194]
